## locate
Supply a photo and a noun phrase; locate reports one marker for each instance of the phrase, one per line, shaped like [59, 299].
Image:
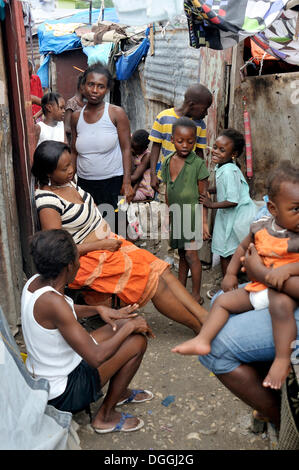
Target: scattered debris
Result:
[168, 400]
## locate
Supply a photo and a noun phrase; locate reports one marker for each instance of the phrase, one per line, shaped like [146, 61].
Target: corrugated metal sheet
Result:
[33, 52]
[172, 68]
[162, 80]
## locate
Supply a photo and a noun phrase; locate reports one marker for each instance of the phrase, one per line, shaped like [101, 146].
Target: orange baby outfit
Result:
[276, 247]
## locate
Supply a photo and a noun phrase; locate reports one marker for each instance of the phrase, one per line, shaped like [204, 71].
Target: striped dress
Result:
[162, 131]
[130, 272]
[78, 219]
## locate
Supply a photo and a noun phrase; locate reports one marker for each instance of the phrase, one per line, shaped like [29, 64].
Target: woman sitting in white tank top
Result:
[78, 364]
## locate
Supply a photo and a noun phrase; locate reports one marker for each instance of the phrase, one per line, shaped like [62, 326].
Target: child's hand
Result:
[206, 201]
[230, 282]
[155, 183]
[276, 277]
[205, 232]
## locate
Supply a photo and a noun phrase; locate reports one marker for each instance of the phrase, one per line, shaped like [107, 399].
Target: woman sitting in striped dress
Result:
[109, 264]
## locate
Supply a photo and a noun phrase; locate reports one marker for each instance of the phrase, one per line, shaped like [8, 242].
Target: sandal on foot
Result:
[210, 293]
[131, 398]
[119, 426]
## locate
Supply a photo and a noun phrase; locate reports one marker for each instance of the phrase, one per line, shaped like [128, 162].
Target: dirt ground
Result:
[204, 414]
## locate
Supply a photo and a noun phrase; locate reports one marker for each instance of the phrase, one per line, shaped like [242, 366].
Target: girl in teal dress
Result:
[235, 208]
[186, 177]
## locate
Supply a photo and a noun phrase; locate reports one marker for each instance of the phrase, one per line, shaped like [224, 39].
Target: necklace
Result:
[65, 185]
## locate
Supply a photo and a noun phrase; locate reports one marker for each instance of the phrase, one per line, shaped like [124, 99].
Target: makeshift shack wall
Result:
[162, 80]
[272, 102]
[33, 52]
[64, 75]
[11, 273]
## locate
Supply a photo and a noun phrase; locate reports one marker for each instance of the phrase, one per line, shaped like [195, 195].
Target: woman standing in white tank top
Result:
[101, 143]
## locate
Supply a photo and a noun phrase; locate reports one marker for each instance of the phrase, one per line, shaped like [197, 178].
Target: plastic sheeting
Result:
[128, 61]
[50, 42]
[135, 12]
[27, 421]
[98, 53]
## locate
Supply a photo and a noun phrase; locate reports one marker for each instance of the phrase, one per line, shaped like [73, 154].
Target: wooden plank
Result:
[23, 142]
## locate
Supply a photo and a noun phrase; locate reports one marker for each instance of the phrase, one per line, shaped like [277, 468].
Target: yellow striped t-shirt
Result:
[162, 130]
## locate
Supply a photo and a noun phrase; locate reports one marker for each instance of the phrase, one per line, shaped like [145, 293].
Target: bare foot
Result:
[195, 346]
[278, 373]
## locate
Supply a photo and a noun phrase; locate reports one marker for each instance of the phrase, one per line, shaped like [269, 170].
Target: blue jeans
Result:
[245, 338]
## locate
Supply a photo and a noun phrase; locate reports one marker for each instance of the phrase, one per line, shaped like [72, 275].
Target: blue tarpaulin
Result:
[49, 42]
[128, 62]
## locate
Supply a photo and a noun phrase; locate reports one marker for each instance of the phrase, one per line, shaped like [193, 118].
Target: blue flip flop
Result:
[131, 398]
[119, 426]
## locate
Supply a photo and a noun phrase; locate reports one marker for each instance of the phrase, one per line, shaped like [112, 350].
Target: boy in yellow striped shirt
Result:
[197, 101]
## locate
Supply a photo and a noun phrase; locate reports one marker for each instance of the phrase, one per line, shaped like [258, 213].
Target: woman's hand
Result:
[140, 326]
[108, 314]
[127, 191]
[109, 244]
[230, 282]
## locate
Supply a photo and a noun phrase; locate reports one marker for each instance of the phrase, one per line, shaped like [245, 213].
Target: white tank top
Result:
[49, 355]
[51, 132]
[99, 152]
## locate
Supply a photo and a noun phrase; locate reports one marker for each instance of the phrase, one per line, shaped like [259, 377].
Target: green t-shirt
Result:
[182, 195]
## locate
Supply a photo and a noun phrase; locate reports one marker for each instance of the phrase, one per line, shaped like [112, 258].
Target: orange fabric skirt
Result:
[130, 272]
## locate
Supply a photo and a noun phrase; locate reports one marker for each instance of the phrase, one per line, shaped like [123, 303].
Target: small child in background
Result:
[235, 208]
[36, 92]
[276, 239]
[141, 177]
[75, 103]
[185, 175]
[52, 126]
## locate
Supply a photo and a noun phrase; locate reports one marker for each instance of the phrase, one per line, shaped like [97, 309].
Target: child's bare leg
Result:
[281, 308]
[236, 301]
[224, 262]
[194, 264]
[291, 287]
[183, 268]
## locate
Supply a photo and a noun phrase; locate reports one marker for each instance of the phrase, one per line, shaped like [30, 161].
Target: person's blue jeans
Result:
[245, 338]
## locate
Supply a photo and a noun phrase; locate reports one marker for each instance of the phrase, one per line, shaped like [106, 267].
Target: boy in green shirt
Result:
[185, 175]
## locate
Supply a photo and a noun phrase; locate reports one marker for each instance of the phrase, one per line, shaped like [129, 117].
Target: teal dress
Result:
[185, 211]
[231, 224]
